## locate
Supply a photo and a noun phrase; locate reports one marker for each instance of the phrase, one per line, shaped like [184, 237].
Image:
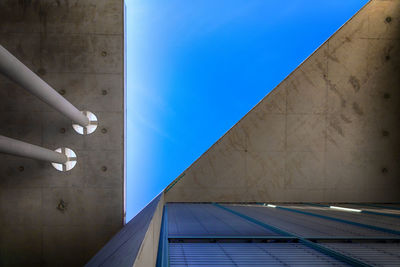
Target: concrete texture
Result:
[136, 243]
[328, 133]
[147, 255]
[76, 47]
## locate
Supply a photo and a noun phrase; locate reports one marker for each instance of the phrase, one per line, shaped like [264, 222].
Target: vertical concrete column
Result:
[14, 69]
[19, 148]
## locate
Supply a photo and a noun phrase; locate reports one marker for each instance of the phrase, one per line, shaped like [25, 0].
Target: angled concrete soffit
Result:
[329, 132]
[137, 243]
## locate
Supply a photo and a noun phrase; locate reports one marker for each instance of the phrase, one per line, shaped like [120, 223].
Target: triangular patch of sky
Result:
[195, 68]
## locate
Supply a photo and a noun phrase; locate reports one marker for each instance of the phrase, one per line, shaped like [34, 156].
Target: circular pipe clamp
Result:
[71, 162]
[88, 129]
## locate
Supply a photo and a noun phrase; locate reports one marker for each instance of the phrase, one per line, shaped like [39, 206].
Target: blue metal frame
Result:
[174, 182]
[162, 253]
[272, 237]
[230, 237]
[381, 213]
[315, 246]
[269, 227]
[362, 211]
[376, 228]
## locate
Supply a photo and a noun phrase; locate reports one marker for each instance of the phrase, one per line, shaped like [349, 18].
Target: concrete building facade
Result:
[328, 134]
[47, 217]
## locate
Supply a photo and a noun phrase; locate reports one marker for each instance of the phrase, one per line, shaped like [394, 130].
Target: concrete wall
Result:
[77, 47]
[136, 243]
[328, 133]
[147, 255]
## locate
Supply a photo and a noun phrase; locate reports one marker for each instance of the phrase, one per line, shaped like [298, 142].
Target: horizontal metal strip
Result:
[377, 206]
[362, 211]
[315, 238]
[315, 246]
[391, 231]
[293, 239]
[229, 236]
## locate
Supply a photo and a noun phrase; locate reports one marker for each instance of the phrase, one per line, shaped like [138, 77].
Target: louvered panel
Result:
[371, 207]
[247, 254]
[359, 217]
[206, 219]
[376, 254]
[389, 206]
[304, 225]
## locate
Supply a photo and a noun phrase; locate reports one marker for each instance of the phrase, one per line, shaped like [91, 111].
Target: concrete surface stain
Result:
[345, 119]
[307, 78]
[357, 109]
[333, 88]
[335, 125]
[330, 138]
[355, 83]
[331, 57]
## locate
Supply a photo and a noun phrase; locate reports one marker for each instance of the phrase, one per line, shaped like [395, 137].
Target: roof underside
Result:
[328, 133]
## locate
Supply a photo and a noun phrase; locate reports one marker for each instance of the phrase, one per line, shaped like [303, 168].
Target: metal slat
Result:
[365, 216]
[351, 218]
[247, 254]
[382, 206]
[244, 239]
[385, 210]
[199, 248]
[378, 254]
[316, 247]
[208, 220]
[304, 225]
[314, 214]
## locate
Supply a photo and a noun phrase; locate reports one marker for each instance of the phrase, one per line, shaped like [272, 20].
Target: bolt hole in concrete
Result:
[84, 130]
[104, 53]
[70, 164]
[104, 130]
[388, 19]
[62, 206]
[62, 92]
[62, 130]
[104, 92]
[104, 168]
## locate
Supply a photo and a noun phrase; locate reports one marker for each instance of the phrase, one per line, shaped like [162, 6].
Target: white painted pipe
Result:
[19, 148]
[14, 69]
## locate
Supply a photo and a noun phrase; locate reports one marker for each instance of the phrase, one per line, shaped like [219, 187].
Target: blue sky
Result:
[194, 68]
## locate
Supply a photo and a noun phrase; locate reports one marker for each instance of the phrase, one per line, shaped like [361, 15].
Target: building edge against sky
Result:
[328, 128]
[327, 134]
[189, 53]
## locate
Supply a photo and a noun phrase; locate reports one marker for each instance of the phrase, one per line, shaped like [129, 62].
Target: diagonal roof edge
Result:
[180, 176]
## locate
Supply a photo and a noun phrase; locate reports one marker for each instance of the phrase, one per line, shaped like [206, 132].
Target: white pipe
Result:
[19, 148]
[14, 69]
